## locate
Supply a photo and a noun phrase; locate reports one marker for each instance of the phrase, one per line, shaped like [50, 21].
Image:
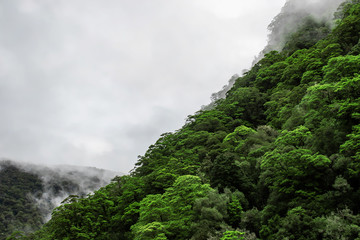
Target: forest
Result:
[29, 192]
[278, 158]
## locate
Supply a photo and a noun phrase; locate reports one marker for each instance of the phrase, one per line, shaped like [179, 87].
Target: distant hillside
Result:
[29, 193]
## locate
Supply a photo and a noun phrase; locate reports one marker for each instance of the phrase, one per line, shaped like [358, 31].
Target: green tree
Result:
[233, 235]
[293, 169]
[171, 213]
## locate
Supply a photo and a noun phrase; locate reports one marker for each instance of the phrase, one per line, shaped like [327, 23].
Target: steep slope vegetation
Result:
[278, 158]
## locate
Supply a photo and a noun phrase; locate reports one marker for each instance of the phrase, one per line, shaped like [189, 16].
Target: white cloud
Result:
[96, 82]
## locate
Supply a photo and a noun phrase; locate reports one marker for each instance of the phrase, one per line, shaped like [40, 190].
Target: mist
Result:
[94, 83]
[61, 181]
[285, 23]
[291, 15]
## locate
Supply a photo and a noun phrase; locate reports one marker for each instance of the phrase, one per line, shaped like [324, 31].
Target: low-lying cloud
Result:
[60, 181]
[291, 15]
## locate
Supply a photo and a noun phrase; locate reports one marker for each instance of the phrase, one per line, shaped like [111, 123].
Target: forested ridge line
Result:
[278, 158]
[29, 192]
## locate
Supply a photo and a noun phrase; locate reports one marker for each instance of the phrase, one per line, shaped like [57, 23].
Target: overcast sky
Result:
[94, 83]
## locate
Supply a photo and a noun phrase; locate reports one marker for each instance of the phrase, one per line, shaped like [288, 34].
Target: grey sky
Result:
[94, 83]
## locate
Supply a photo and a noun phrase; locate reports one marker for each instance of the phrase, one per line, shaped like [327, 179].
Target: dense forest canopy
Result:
[278, 158]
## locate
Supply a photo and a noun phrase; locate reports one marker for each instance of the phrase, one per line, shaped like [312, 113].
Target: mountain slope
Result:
[278, 158]
[29, 193]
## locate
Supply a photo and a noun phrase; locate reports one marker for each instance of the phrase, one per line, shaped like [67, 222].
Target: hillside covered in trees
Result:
[278, 158]
[29, 193]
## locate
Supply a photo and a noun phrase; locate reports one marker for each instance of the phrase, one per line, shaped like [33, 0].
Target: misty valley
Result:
[29, 192]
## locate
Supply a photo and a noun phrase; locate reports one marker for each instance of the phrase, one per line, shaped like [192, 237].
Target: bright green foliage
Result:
[232, 235]
[340, 67]
[297, 138]
[87, 218]
[238, 135]
[153, 212]
[330, 51]
[171, 213]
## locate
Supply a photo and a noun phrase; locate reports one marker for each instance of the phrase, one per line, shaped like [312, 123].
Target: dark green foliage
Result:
[278, 158]
[27, 194]
[17, 208]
